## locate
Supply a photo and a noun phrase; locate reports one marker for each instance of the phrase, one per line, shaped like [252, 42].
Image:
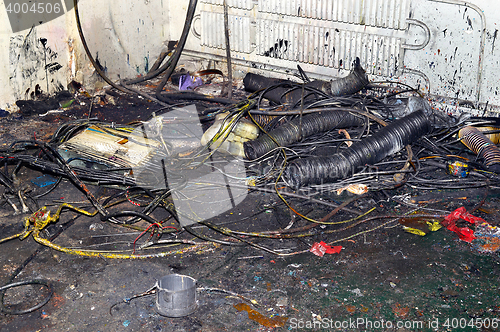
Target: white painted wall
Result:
[126, 36]
[461, 58]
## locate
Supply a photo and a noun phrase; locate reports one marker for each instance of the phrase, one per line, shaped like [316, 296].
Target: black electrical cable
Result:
[54, 186]
[189, 95]
[191, 231]
[16, 169]
[102, 177]
[228, 51]
[303, 75]
[108, 200]
[387, 141]
[89, 54]
[155, 69]
[288, 133]
[97, 67]
[145, 213]
[75, 179]
[6, 182]
[23, 283]
[18, 270]
[129, 214]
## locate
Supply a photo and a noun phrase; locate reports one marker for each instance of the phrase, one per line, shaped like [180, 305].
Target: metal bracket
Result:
[427, 32]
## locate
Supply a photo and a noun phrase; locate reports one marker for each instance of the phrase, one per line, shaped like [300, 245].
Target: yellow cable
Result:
[11, 237]
[36, 222]
[104, 254]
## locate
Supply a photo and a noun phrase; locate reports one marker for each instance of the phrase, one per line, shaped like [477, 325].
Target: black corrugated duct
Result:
[385, 142]
[289, 132]
[285, 91]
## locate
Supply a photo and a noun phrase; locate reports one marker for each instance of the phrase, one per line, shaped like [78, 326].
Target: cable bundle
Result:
[387, 141]
[289, 133]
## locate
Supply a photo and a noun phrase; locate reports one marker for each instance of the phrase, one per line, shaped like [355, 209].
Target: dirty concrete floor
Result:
[391, 279]
[386, 275]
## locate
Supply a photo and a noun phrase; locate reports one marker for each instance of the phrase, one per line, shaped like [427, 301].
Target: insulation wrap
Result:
[289, 132]
[385, 142]
[284, 91]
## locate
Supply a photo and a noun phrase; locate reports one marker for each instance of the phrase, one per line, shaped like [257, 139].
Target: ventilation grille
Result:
[243, 4]
[325, 33]
[329, 47]
[378, 13]
[240, 37]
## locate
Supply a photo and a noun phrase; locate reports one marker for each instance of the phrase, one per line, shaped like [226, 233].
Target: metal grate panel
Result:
[243, 4]
[378, 13]
[329, 47]
[213, 35]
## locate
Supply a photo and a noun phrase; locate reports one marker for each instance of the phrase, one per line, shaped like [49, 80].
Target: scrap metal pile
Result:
[179, 176]
[182, 176]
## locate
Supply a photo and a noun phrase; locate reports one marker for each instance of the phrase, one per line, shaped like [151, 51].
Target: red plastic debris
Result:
[461, 213]
[464, 233]
[321, 248]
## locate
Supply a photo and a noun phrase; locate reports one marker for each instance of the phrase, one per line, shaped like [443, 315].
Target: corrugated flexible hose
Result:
[482, 146]
[289, 132]
[385, 142]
